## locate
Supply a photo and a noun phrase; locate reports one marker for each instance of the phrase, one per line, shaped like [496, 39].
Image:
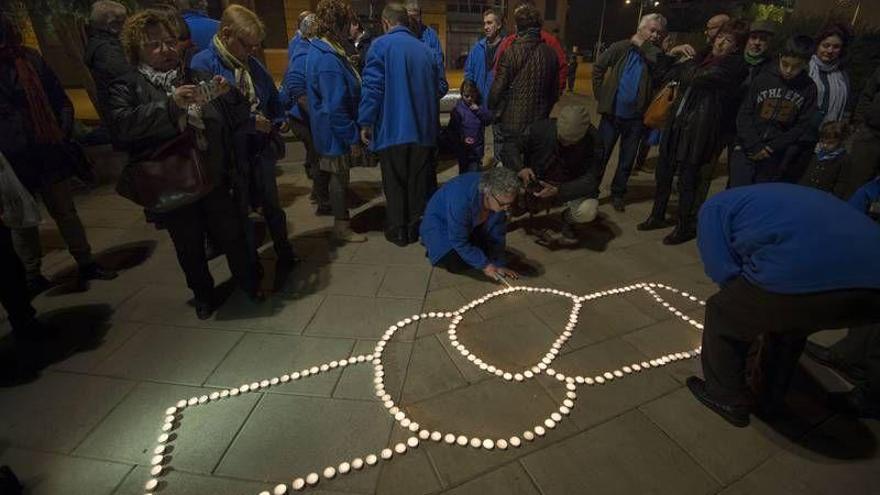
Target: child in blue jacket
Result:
[467, 126]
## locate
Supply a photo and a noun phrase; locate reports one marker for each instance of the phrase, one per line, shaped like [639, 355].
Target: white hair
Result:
[653, 17]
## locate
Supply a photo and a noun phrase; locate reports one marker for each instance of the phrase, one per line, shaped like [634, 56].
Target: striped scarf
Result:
[243, 80]
[833, 88]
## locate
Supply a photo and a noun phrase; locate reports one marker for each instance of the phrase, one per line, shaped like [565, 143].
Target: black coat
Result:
[143, 117]
[526, 84]
[868, 108]
[703, 109]
[106, 61]
[33, 164]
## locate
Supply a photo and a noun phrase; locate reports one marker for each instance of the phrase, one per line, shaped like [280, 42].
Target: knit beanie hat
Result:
[572, 124]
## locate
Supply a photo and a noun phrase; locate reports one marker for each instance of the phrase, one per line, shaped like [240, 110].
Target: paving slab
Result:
[510, 479]
[405, 281]
[626, 455]
[430, 372]
[448, 299]
[299, 435]
[408, 474]
[50, 474]
[128, 434]
[90, 356]
[721, 449]
[185, 356]
[514, 341]
[361, 318]
[598, 403]
[357, 381]
[262, 356]
[182, 483]
[58, 410]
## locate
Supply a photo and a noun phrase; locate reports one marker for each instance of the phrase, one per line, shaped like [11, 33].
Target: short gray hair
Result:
[305, 25]
[653, 17]
[500, 180]
[105, 12]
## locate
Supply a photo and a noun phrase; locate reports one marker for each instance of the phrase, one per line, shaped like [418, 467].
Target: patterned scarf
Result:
[45, 123]
[243, 80]
[832, 96]
[823, 153]
[167, 81]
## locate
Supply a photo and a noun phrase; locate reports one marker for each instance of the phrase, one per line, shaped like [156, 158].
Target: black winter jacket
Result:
[143, 117]
[776, 113]
[703, 108]
[526, 84]
[106, 61]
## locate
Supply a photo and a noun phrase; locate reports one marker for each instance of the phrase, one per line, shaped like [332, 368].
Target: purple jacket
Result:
[468, 126]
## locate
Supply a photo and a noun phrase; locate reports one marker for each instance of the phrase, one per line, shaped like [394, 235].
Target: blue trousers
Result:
[630, 133]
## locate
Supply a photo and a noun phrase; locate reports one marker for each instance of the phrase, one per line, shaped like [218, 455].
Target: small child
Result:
[467, 126]
[829, 159]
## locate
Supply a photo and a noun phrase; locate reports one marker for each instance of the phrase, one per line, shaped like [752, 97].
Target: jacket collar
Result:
[398, 29]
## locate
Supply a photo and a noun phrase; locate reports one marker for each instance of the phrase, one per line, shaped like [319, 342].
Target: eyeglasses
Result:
[501, 204]
[155, 45]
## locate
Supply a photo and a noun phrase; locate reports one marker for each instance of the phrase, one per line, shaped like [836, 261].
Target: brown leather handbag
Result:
[174, 175]
[658, 111]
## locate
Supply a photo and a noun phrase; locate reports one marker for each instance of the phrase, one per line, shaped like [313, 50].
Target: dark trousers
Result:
[745, 171]
[864, 162]
[13, 287]
[861, 349]
[408, 178]
[741, 311]
[630, 133]
[453, 262]
[265, 192]
[218, 216]
[692, 182]
[571, 80]
[320, 181]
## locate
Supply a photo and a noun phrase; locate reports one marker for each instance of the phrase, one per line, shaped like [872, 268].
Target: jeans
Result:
[745, 171]
[266, 191]
[58, 199]
[630, 133]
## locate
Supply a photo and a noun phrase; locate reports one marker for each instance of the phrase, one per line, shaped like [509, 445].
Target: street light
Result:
[643, 4]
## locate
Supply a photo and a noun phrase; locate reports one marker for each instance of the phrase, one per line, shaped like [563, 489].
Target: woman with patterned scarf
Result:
[153, 105]
[333, 90]
[259, 146]
[36, 118]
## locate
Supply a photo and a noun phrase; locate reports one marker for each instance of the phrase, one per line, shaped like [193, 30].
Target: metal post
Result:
[601, 31]
[641, 7]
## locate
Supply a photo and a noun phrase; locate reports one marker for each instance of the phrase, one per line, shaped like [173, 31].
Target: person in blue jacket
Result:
[430, 38]
[480, 62]
[299, 35]
[201, 27]
[399, 120]
[466, 222]
[230, 55]
[790, 260]
[333, 91]
[867, 199]
[293, 96]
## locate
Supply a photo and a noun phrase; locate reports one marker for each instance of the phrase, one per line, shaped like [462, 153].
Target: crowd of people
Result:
[177, 87]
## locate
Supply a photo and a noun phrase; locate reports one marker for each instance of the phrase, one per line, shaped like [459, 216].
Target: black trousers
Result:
[741, 311]
[692, 182]
[13, 286]
[218, 216]
[408, 178]
[864, 160]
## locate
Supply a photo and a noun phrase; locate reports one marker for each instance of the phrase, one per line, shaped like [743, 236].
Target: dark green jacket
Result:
[606, 74]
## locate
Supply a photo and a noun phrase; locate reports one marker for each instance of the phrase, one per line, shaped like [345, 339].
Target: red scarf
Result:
[43, 120]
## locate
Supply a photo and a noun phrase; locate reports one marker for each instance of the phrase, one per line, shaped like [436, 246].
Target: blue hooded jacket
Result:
[788, 239]
[208, 60]
[294, 83]
[476, 70]
[333, 91]
[291, 47]
[450, 223]
[867, 194]
[400, 94]
[201, 27]
[429, 37]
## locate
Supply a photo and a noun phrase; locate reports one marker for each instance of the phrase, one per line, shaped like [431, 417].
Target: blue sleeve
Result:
[484, 115]
[332, 88]
[459, 223]
[867, 194]
[434, 45]
[200, 61]
[720, 262]
[470, 65]
[275, 107]
[372, 88]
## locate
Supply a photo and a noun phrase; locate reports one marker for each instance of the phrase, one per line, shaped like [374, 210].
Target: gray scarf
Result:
[833, 88]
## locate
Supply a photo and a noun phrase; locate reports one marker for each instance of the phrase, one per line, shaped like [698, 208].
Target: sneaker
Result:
[618, 204]
[93, 271]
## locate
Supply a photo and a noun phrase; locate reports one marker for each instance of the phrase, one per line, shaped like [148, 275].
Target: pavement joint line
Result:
[237, 433]
[222, 359]
[399, 415]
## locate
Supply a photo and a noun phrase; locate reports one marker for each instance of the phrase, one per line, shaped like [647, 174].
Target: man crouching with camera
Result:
[556, 160]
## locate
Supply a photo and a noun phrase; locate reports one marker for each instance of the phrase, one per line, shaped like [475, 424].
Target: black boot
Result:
[736, 415]
[94, 271]
[652, 223]
[9, 484]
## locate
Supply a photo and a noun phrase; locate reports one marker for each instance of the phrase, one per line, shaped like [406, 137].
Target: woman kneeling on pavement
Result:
[154, 105]
[466, 221]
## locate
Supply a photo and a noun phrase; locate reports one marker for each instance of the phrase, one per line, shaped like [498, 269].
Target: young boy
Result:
[829, 159]
[778, 109]
[467, 126]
